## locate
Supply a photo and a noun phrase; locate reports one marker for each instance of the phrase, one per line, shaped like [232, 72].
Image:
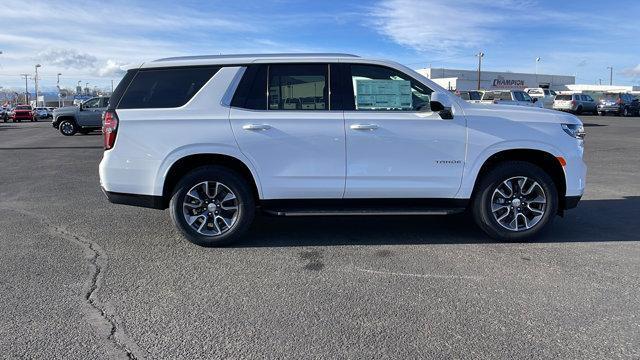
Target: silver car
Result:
[575, 103]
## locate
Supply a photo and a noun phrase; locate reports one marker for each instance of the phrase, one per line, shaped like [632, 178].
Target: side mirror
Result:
[441, 104]
[80, 106]
[534, 100]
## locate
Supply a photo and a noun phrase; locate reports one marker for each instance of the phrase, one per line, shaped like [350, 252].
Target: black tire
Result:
[67, 127]
[482, 201]
[236, 183]
[579, 110]
[601, 113]
[625, 112]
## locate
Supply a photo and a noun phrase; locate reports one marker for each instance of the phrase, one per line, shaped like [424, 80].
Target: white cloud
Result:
[443, 26]
[632, 72]
[67, 58]
[112, 69]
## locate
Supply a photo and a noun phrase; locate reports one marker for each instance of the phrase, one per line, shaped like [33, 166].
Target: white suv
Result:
[213, 138]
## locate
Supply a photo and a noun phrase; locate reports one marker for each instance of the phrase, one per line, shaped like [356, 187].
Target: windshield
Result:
[23, 107]
[563, 97]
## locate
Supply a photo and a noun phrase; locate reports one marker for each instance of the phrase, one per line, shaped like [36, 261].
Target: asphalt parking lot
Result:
[81, 278]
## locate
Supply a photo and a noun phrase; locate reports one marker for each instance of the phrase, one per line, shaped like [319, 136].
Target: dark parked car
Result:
[620, 104]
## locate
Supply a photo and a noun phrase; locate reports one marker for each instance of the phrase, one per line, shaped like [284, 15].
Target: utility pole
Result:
[111, 86]
[37, 66]
[480, 55]
[26, 88]
[610, 74]
[86, 88]
[58, 86]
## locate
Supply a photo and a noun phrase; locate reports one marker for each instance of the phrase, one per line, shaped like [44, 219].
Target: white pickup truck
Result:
[544, 96]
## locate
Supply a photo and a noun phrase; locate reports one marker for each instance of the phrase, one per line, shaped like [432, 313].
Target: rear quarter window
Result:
[165, 88]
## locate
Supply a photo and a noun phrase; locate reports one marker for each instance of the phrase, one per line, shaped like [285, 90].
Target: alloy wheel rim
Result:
[67, 128]
[211, 208]
[518, 203]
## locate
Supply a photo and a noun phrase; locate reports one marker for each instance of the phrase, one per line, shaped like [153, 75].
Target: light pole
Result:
[480, 55]
[26, 88]
[58, 86]
[86, 88]
[37, 66]
[537, 61]
[610, 74]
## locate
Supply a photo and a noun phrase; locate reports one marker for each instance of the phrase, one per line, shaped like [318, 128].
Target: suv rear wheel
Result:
[67, 127]
[515, 201]
[212, 206]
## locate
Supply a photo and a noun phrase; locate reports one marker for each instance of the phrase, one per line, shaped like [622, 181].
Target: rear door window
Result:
[298, 87]
[166, 87]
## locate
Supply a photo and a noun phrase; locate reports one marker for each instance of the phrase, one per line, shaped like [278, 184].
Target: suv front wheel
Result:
[515, 201]
[212, 206]
[67, 127]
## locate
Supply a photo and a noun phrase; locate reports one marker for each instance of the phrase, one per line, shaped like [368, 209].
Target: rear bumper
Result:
[609, 108]
[148, 201]
[571, 202]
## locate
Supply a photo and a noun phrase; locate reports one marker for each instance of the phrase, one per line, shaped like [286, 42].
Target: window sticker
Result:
[383, 94]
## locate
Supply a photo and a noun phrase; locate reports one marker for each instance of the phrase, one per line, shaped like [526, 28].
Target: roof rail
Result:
[212, 57]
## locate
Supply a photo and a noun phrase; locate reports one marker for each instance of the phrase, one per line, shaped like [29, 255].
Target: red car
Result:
[22, 112]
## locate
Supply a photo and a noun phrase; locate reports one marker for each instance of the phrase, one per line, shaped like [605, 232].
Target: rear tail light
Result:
[573, 103]
[109, 128]
[619, 101]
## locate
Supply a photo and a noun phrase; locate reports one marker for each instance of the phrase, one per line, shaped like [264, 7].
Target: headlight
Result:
[576, 131]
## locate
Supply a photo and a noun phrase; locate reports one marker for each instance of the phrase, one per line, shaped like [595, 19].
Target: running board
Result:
[355, 207]
[359, 212]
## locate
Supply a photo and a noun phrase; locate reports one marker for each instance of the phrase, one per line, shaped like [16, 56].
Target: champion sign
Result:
[501, 82]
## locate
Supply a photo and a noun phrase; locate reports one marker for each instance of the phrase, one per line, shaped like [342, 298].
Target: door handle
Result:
[364, 127]
[256, 127]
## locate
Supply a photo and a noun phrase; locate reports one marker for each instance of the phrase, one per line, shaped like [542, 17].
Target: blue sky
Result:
[90, 41]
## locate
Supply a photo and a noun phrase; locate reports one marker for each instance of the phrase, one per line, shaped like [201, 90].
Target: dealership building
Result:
[454, 79]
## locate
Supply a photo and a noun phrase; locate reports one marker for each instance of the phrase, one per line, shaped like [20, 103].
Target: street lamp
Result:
[610, 68]
[480, 55]
[58, 86]
[537, 61]
[36, 79]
